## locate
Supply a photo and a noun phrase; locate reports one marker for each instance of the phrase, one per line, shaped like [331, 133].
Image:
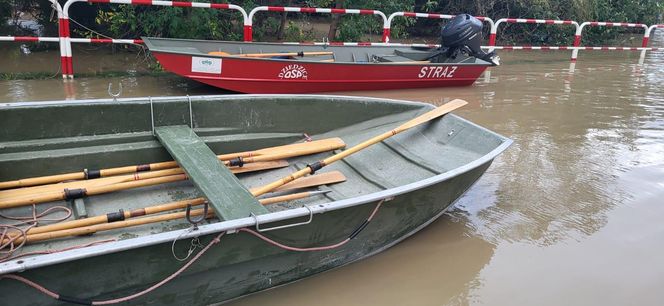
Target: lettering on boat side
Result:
[205, 65]
[293, 71]
[437, 72]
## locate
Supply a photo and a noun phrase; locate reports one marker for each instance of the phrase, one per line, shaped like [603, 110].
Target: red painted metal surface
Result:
[250, 75]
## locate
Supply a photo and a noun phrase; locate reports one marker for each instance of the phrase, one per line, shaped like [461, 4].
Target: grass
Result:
[10, 76]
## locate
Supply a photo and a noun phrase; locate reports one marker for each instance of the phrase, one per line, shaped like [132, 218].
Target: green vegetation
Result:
[125, 21]
[8, 76]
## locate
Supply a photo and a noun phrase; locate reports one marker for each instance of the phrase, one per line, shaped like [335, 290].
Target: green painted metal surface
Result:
[227, 196]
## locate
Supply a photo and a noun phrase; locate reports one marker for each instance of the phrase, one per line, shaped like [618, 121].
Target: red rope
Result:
[165, 280]
[11, 232]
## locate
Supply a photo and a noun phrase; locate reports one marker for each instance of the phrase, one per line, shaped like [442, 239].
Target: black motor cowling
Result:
[464, 33]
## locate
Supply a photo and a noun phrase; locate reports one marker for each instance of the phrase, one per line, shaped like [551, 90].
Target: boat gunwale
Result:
[153, 48]
[19, 265]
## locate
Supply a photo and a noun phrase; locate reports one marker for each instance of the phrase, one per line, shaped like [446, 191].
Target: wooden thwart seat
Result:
[224, 192]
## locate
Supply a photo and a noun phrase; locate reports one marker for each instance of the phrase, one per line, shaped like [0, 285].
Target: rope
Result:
[290, 248]
[12, 232]
[195, 243]
[9, 244]
[88, 29]
[31, 284]
[165, 280]
[321, 248]
[38, 217]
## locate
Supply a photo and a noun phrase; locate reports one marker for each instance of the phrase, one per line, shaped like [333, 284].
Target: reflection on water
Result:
[570, 214]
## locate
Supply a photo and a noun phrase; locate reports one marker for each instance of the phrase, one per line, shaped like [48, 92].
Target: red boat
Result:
[252, 67]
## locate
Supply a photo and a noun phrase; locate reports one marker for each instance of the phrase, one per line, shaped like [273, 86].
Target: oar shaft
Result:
[311, 181]
[102, 181]
[103, 225]
[42, 180]
[105, 218]
[311, 147]
[95, 190]
[109, 226]
[283, 54]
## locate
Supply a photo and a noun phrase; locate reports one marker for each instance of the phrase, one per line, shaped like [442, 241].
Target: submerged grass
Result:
[11, 76]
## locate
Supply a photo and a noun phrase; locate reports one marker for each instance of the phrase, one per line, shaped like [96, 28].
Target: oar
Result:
[104, 226]
[305, 148]
[326, 178]
[103, 181]
[426, 117]
[300, 54]
[64, 194]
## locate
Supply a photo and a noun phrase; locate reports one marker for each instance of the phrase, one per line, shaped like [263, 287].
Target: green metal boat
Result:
[404, 183]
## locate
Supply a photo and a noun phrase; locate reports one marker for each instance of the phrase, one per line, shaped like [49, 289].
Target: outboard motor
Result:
[464, 33]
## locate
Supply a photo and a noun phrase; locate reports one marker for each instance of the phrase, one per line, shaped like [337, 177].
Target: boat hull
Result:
[263, 76]
[344, 68]
[418, 174]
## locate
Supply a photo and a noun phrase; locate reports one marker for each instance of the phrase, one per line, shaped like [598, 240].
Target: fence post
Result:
[646, 36]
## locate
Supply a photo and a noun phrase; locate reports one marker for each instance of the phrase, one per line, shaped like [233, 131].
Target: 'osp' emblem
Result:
[293, 71]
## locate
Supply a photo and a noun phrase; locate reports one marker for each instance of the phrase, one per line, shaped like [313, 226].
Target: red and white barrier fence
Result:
[386, 29]
[545, 48]
[74, 40]
[29, 39]
[64, 20]
[311, 10]
[494, 29]
[579, 31]
[65, 38]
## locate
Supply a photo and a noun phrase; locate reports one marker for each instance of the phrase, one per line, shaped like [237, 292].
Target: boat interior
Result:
[379, 54]
[109, 134]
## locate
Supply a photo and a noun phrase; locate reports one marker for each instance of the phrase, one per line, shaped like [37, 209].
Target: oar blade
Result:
[259, 166]
[319, 179]
[433, 114]
[324, 178]
[304, 148]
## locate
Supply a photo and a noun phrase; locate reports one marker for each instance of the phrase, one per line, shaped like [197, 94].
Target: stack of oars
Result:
[51, 188]
[48, 188]
[141, 216]
[268, 55]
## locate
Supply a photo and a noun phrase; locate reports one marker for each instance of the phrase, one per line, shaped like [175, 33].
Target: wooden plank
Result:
[226, 195]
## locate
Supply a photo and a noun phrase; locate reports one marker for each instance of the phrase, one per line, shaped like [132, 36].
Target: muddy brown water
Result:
[571, 214]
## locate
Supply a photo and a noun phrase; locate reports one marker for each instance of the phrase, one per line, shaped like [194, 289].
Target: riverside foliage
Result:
[126, 21]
